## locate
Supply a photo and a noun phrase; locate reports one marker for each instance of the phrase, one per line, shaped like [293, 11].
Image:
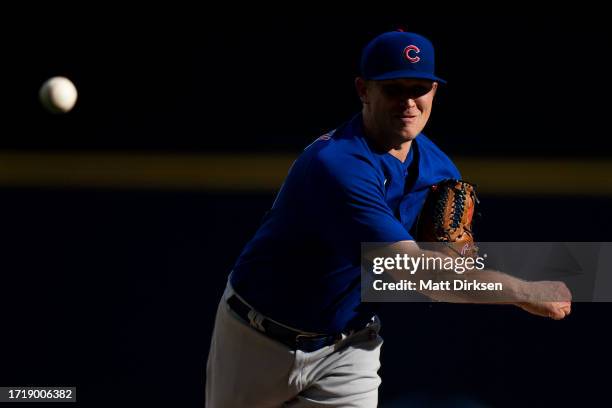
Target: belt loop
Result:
[255, 319]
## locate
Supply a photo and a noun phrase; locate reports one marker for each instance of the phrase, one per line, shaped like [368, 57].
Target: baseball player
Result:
[290, 329]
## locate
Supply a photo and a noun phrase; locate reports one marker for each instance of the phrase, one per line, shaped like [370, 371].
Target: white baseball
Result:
[58, 94]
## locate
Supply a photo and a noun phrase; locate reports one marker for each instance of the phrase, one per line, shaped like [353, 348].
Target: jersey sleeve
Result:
[353, 199]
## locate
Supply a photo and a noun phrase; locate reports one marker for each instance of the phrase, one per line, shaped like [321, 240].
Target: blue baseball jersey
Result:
[302, 267]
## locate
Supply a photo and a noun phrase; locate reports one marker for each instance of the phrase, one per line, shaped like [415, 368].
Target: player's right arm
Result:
[543, 298]
[355, 192]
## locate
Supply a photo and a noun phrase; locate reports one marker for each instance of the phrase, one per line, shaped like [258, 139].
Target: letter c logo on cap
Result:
[408, 50]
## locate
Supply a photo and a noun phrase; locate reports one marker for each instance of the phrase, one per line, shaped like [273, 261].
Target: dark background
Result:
[114, 290]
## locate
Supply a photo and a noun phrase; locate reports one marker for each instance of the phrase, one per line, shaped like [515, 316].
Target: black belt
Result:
[294, 339]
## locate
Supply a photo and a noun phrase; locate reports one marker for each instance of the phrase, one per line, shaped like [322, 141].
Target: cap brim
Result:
[408, 75]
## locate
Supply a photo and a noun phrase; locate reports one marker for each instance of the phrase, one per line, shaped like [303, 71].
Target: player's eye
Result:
[405, 92]
[392, 90]
[417, 91]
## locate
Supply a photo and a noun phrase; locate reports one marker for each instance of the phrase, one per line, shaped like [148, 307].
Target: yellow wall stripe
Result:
[265, 172]
[539, 175]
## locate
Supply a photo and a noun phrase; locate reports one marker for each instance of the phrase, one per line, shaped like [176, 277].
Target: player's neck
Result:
[402, 151]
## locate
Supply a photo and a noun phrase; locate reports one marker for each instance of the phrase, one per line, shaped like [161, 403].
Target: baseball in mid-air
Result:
[58, 94]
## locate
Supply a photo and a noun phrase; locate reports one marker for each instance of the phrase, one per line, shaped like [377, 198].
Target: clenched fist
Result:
[554, 310]
[547, 298]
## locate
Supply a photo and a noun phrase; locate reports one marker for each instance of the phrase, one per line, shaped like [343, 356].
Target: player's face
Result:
[400, 107]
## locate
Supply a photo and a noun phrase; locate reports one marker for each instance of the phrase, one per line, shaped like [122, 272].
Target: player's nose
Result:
[408, 103]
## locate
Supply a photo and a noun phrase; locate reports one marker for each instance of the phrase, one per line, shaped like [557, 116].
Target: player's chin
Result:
[409, 133]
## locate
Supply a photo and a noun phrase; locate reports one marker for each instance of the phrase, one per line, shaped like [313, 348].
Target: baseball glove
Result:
[447, 217]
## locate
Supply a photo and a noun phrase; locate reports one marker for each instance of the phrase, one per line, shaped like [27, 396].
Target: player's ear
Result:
[434, 87]
[362, 89]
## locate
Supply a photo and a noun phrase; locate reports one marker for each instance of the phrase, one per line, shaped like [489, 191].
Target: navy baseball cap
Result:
[398, 54]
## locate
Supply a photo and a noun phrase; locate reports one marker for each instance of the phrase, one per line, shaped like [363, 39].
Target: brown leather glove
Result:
[447, 217]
